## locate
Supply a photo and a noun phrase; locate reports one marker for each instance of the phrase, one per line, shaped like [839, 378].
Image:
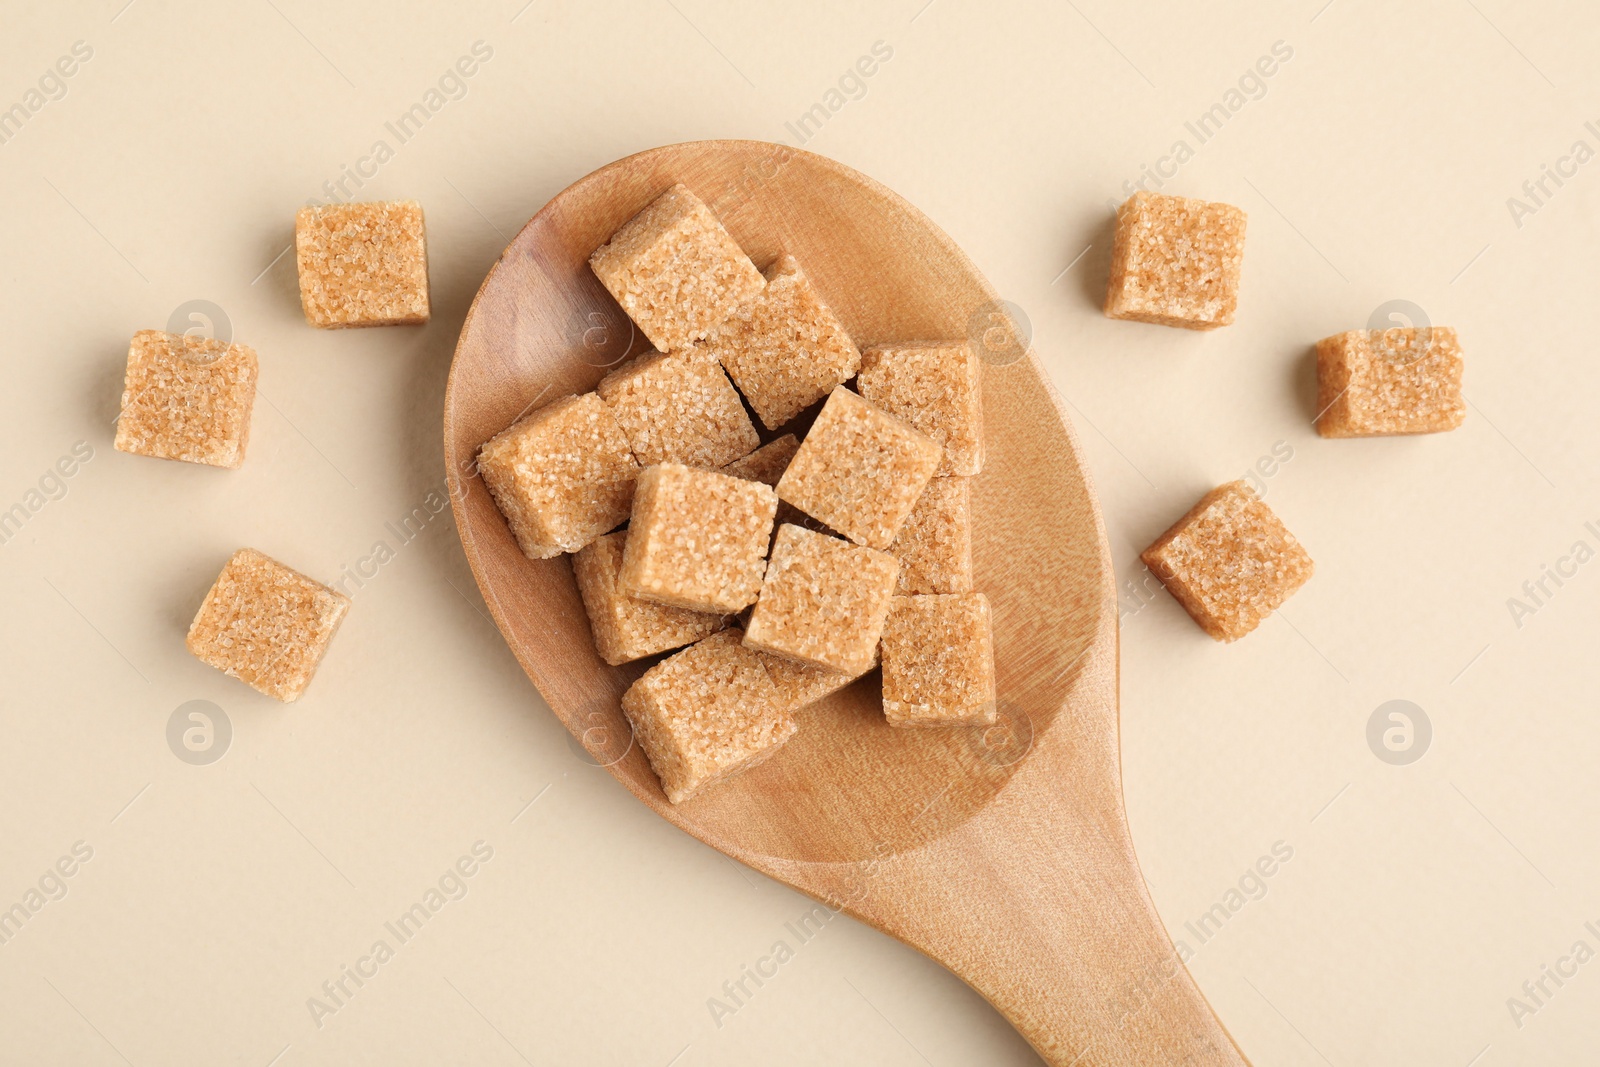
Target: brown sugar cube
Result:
[1229, 561]
[187, 398]
[766, 465]
[266, 625]
[1374, 383]
[676, 271]
[822, 602]
[625, 627]
[860, 470]
[1175, 262]
[938, 661]
[678, 409]
[933, 385]
[935, 544]
[362, 264]
[800, 686]
[785, 349]
[706, 713]
[561, 476]
[697, 539]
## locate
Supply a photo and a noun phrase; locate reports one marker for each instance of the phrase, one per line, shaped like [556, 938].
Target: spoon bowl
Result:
[1003, 853]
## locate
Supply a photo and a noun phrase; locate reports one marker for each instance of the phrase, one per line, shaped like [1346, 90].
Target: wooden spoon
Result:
[1002, 853]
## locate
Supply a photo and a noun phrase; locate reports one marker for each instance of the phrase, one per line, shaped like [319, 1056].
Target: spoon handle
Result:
[1037, 902]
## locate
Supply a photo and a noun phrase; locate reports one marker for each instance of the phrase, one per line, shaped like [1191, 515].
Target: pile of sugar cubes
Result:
[189, 398]
[788, 569]
[1230, 562]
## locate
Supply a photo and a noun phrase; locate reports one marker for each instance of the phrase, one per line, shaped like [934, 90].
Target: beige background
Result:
[1375, 164]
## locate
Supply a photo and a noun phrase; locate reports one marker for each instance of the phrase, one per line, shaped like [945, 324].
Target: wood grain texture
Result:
[1002, 853]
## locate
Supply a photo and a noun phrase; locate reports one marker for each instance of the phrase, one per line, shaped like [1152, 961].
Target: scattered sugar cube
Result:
[822, 602]
[187, 398]
[935, 544]
[362, 264]
[625, 627]
[561, 476]
[938, 661]
[933, 385]
[860, 470]
[800, 686]
[1229, 561]
[698, 539]
[1175, 262]
[266, 625]
[1398, 381]
[706, 713]
[679, 409]
[785, 349]
[676, 271]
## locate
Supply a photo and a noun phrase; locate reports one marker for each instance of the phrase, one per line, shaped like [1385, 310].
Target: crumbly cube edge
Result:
[557, 495]
[767, 463]
[363, 264]
[823, 601]
[1176, 262]
[936, 387]
[626, 628]
[860, 470]
[676, 271]
[938, 661]
[187, 398]
[934, 546]
[705, 714]
[1228, 588]
[785, 349]
[679, 409]
[800, 685]
[697, 539]
[266, 624]
[1370, 384]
